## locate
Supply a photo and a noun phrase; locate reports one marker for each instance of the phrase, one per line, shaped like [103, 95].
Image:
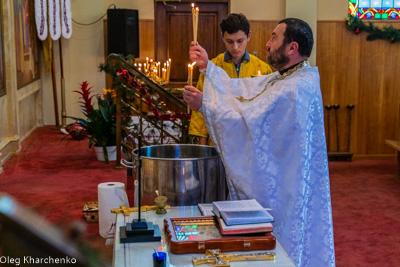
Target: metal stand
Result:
[63, 111]
[328, 137]
[339, 155]
[139, 230]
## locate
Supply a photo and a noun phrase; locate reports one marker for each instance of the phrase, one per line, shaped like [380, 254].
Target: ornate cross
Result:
[219, 259]
[127, 211]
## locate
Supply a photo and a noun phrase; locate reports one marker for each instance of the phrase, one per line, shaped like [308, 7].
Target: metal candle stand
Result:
[338, 155]
[139, 230]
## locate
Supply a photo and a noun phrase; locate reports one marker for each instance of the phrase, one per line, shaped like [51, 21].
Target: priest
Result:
[269, 132]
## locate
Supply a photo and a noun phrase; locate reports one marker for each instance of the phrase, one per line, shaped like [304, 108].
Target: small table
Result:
[141, 254]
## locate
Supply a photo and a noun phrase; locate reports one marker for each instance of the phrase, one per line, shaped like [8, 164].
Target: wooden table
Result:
[140, 254]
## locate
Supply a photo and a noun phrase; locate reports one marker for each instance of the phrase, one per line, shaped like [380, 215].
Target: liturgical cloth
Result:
[274, 150]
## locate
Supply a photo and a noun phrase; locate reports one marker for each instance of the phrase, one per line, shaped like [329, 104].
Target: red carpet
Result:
[366, 212]
[56, 178]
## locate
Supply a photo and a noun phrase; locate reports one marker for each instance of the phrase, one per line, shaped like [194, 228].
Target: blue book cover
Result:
[246, 217]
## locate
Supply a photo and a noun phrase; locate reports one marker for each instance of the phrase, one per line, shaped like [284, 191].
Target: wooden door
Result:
[174, 32]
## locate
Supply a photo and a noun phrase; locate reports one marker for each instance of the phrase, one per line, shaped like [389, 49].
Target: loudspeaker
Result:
[123, 31]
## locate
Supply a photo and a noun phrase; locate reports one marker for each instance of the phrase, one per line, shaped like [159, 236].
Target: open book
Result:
[235, 212]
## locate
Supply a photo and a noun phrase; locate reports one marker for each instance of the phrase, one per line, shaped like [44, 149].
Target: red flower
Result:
[87, 99]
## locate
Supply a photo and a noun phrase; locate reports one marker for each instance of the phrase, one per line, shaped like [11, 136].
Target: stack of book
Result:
[239, 216]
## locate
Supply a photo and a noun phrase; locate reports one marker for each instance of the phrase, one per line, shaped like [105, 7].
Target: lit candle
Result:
[168, 69]
[259, 73]
[190, 75]
[190, 79]
[195, 21]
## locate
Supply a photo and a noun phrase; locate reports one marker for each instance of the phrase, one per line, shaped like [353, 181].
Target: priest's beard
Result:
[278, 59]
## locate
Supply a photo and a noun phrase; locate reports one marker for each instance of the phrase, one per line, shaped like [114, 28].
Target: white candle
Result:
[195, 21]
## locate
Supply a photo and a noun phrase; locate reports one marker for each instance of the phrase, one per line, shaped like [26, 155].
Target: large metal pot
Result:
[185, 174]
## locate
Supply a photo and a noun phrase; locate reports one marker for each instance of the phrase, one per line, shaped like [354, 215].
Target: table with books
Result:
[189, 239]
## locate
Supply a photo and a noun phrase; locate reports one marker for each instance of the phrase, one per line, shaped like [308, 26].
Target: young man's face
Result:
[277, 50]
[236, 44]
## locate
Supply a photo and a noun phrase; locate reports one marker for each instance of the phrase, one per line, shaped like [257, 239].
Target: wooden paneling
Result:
[353, 71]
[356, 71]
[174, 32]
[336, 55]
[146, 39]
[260, 34]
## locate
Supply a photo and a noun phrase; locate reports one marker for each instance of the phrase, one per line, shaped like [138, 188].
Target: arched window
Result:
[374, 9]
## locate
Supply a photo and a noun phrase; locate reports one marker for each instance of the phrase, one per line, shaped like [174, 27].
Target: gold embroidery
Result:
[279, 78]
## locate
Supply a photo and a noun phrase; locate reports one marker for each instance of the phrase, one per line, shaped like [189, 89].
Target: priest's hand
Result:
[193, 97]
[199, 55]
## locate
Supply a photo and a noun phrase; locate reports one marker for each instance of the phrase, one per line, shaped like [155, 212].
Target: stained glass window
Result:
[374, 9]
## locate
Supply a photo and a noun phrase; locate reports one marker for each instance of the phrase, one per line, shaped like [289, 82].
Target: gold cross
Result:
[215, 256]
[127, 211]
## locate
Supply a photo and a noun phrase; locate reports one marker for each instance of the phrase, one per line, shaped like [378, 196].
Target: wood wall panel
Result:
[174, 33]
[146, 38]
[260, 34]
[335, 56]
[353, 71]
[356, 71]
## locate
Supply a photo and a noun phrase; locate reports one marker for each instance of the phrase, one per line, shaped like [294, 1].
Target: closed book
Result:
[241, 212]
[206, 209]
[243, 228]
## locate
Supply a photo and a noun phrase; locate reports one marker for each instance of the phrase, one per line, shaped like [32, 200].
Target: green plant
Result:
[99, 125]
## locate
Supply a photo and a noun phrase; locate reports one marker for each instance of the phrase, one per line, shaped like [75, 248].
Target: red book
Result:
[243, 228]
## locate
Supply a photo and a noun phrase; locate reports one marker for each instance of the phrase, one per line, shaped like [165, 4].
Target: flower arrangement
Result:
[99, 125]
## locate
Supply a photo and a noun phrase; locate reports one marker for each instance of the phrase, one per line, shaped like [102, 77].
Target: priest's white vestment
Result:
[273, 148]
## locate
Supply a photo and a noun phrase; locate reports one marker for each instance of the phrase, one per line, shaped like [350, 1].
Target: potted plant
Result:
[99, 125]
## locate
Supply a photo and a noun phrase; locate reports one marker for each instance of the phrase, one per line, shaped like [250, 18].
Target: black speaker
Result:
[123, 31]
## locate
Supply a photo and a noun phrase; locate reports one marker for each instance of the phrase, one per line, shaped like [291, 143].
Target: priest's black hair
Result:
[299, 31]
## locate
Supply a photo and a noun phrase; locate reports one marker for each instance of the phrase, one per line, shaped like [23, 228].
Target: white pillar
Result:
[307, 11]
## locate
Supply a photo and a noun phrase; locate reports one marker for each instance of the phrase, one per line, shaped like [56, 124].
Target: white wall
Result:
[260, 9]
[332, 9]
[82, 54]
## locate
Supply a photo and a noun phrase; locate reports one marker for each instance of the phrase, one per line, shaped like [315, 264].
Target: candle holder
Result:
[139, 230]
